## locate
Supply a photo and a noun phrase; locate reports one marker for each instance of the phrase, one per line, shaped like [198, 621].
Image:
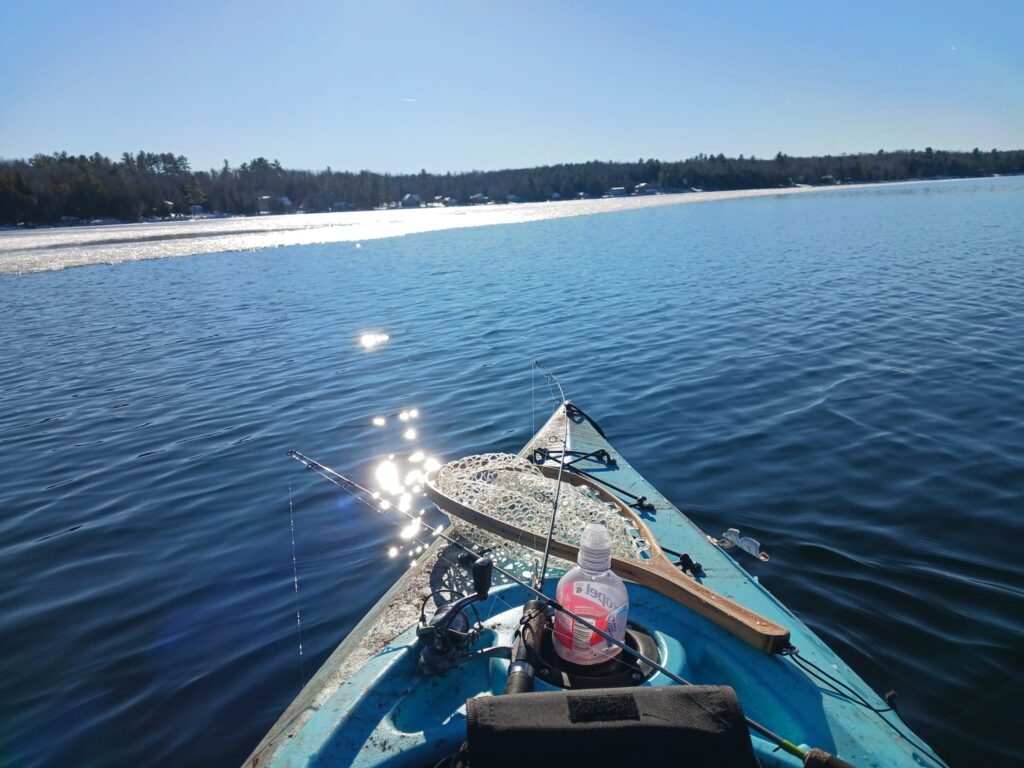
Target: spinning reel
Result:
[448, 634]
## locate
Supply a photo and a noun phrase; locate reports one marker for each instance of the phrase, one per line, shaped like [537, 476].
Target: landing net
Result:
[511, 489]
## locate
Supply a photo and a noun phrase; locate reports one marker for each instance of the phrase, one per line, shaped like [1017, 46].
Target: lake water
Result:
[837, 374]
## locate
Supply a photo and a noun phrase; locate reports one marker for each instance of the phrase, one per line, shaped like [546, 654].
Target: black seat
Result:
[686, 726]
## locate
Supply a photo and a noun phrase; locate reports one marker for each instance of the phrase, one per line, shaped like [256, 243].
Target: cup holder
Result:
[621, 671]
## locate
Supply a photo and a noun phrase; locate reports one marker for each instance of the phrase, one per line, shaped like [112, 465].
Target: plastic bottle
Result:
[593, 591]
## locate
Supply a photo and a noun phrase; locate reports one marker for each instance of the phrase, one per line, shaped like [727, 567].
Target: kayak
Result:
[388, 696]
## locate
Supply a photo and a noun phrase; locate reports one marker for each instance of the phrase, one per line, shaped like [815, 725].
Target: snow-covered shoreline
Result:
[39, 250]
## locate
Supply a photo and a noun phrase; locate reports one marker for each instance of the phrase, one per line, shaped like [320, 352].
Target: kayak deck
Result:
[370, 704]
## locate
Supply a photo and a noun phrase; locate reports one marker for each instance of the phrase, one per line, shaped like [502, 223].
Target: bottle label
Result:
[589, 600]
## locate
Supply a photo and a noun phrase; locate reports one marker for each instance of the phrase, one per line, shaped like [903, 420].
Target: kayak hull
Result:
[371, 705]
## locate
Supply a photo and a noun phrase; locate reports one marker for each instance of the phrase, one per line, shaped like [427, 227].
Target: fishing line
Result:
[552, 382]
[533, 398]
[295, 582]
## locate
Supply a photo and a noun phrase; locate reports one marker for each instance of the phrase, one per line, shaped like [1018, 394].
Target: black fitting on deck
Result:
[687, 564]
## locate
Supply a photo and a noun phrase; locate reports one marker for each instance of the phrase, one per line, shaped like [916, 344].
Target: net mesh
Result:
[511, 489]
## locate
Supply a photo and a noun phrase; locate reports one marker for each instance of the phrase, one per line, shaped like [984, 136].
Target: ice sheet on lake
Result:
[41, 250]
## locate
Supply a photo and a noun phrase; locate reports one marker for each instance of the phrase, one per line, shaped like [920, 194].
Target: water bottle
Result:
[593, 591]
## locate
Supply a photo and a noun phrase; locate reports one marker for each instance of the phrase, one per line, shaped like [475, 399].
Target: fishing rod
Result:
[551, 378]
[362, 494]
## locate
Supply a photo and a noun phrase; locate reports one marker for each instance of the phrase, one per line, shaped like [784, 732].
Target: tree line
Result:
[50, 189]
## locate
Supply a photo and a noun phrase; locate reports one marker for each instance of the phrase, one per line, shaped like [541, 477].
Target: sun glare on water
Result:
[387, 478]
[371, 340]
[399, 478]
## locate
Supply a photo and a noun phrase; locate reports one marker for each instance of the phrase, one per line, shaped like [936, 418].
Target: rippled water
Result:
[837, 374]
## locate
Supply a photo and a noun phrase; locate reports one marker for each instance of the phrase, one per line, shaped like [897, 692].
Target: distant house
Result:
[644, 188]
[512, 198]
[479, 199]
[412, 200]
[451, 201]
[267, 204]
[555, 196]
[617, 192]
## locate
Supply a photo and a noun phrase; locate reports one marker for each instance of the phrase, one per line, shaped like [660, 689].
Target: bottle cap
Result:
[595, 548]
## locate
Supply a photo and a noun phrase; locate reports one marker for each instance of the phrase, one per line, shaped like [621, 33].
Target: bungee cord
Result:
[846, 692]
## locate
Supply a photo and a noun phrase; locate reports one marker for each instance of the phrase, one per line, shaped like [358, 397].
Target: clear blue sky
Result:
[484, 85]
